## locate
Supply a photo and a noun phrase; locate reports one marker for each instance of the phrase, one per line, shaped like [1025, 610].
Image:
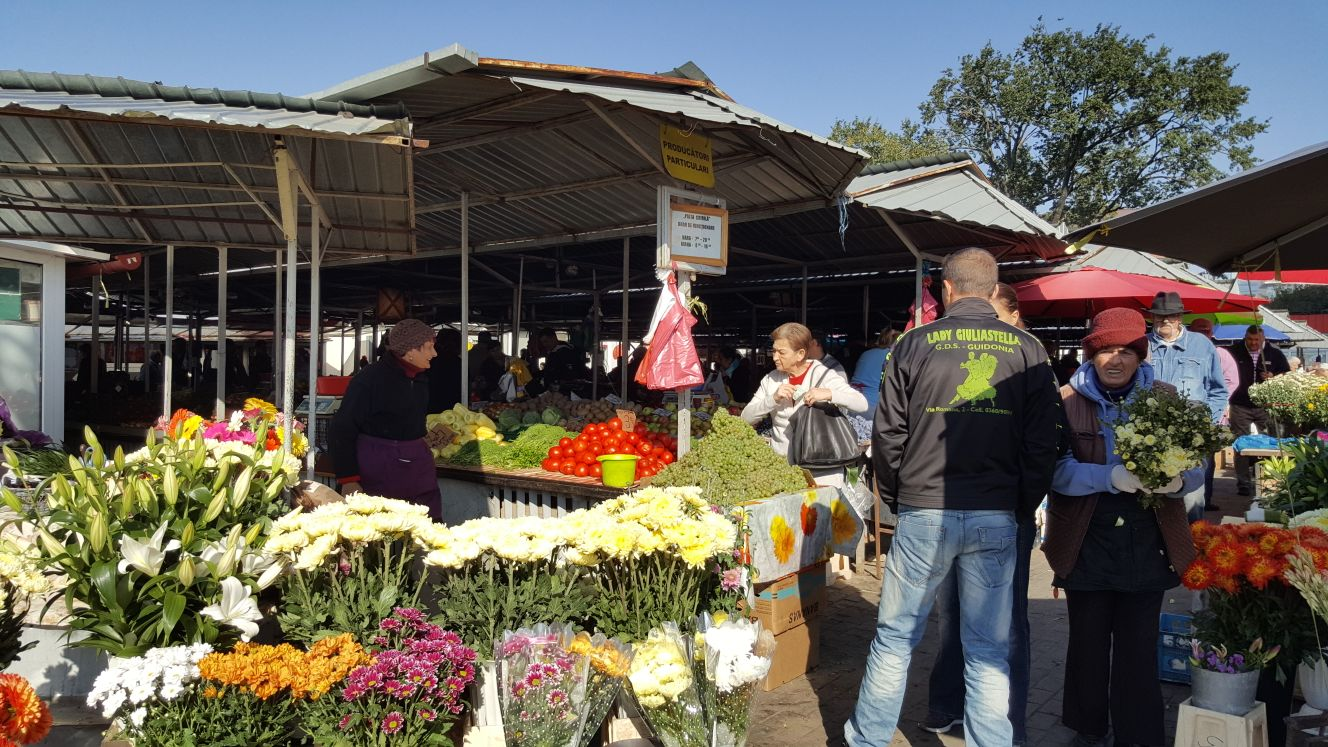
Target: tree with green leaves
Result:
[1078, 125]
[912, 140]
[1308, 299]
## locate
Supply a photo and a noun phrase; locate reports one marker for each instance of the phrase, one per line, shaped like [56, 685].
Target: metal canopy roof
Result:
[955, 189]
[108, 161]
[555, 155]
[1273, 216]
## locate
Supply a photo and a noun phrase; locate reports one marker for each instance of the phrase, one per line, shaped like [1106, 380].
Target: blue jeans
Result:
[927, 544]
[946, 687]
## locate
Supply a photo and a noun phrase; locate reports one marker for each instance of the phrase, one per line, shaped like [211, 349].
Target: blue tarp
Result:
[1237, 332]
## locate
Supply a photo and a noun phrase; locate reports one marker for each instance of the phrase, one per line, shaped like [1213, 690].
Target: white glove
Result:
[1172, 487]
[1124, 480]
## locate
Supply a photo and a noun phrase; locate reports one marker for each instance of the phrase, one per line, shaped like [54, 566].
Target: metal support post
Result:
[278, 306]
[685, 393]
[516, 307]
[147, 327]
[623, 341]
[359, 332]
[804, 295]
[168, 365]
[220, 358]
[315, 331]
[289, 201]
[596, 353]
[465, 298]
[94, 351]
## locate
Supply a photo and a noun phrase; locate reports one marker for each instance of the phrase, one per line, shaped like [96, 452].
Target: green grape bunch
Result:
[732, 465]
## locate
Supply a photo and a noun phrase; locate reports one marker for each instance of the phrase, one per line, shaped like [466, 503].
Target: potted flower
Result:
[1244, 570]
[1225, 681]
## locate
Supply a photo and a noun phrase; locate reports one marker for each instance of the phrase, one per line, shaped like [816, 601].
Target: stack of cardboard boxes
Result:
[792, 607]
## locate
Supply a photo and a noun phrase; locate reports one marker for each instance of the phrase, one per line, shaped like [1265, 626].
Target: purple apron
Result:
[399, 469]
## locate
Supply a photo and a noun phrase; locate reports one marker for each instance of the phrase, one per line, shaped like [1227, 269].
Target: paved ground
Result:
[812, 710]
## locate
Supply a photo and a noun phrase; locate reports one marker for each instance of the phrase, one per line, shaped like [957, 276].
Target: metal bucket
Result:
[1225, 693]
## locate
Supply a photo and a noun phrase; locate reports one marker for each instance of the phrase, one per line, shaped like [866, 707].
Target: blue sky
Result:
[805, 63]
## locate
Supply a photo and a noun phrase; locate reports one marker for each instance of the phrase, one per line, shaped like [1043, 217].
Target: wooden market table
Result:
[470, 492]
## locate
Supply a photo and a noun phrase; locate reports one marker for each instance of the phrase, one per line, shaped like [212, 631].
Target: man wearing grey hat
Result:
[377, 437]
[1189, 362]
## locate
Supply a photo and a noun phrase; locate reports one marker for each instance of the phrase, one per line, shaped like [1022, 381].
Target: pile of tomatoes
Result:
[577, 456]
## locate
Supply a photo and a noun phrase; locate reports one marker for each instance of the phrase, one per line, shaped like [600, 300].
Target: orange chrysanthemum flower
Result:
[1228, 584]
[1312, 537]
[1261, 570]
[24, 718]
[1227, 557]
[266, 671]
[1198, 576]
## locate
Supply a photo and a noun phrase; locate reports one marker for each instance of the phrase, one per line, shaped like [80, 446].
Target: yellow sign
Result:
[687, 156]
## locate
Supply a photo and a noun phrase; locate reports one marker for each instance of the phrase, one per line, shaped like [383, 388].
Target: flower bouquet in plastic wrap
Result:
[666, 689]
[610, 661]
[543, 686]
[733, 654]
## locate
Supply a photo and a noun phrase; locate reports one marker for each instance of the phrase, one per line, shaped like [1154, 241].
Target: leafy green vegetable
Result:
[532, 446]
[478, 453]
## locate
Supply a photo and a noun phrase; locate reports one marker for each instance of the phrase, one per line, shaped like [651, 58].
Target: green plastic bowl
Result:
[619, 470]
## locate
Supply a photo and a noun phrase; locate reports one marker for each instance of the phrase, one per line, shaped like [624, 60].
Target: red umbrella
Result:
[1082, 293]
[1308, 277]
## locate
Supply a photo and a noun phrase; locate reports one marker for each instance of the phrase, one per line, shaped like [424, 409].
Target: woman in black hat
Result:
[377, 437]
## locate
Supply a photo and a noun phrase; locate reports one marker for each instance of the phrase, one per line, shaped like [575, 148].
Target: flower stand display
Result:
[1199, 726]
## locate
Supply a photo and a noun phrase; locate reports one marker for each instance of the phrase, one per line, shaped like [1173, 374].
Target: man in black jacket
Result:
[377, 436]
[1256, 361]
[966, 434]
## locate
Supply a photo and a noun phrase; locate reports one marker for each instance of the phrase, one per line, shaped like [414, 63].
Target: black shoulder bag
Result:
[820, 436]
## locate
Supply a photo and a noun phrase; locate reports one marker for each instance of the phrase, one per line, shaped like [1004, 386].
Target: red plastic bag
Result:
[929, 306]
[671, 360]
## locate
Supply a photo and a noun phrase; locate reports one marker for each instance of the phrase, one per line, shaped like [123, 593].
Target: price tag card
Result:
[628, 418]
[439, 436]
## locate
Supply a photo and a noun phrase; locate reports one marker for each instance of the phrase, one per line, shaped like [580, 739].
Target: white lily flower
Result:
[237, 608]
[269, 568]
[148, 556]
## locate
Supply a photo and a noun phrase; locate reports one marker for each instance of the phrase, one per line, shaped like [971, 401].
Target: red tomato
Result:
[632, 438]
[565, 442]
[615, 424]
[556, 452]
[643, 449]
[582, 470]
[579, 446]
[567, 467]
[549, 465]
[657, 452]
[596, 470]
[586, 457]
[667, 457]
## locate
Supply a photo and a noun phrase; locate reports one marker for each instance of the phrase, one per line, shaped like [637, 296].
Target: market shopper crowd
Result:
[970, 436]
[965, 529]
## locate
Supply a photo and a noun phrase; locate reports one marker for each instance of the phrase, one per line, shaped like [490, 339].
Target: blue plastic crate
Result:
[1173, 665]
[1170, 622]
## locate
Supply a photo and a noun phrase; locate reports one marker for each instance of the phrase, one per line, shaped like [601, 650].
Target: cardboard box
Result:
[797, 651]
[793, 600]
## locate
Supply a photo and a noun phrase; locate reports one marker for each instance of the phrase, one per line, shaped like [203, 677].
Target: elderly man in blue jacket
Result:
[1188, 361]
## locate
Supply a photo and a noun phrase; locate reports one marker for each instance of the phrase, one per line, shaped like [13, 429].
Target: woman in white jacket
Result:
[795, 382]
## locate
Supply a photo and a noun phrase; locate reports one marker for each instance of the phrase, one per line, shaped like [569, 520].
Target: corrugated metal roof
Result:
[548, 158]
[955, 190]
[1137, 263]
[691, 104]
[122, 97]
[192, 168]
[1299, 332]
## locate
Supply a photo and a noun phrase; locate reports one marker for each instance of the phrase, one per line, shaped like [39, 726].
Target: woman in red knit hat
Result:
[1113, 557]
